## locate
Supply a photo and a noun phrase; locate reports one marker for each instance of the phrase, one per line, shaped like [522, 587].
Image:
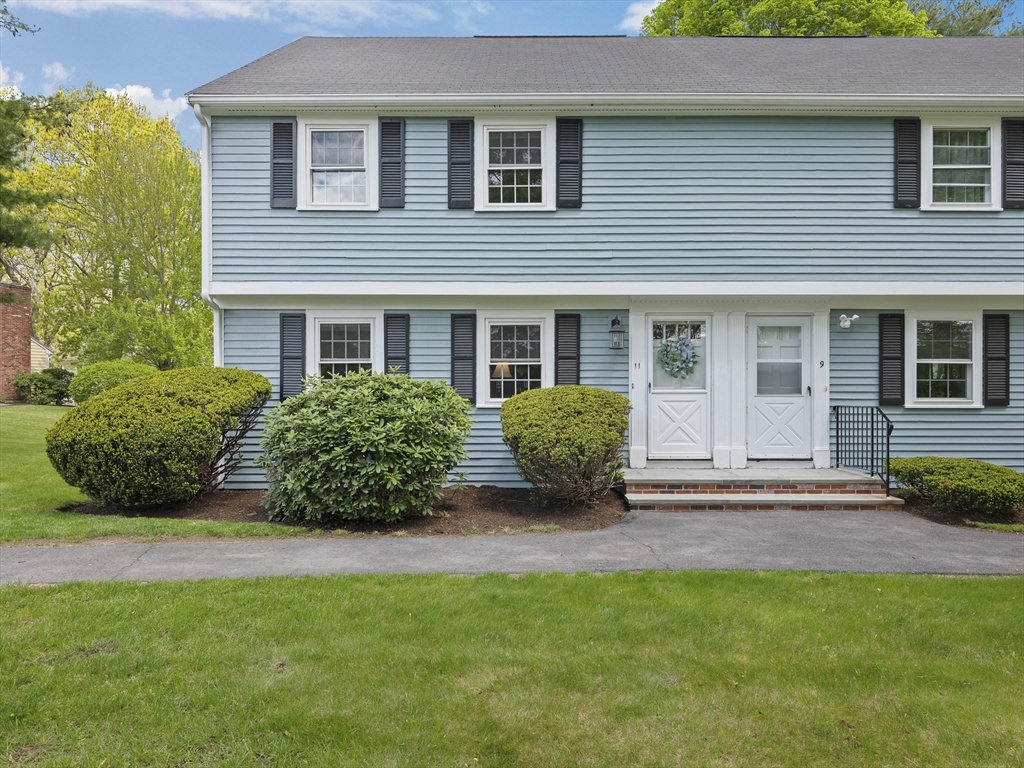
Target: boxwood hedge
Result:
[159, 439]
[567, 441]
[961, 485]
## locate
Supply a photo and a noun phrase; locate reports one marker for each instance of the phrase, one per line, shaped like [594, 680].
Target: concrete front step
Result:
[702, 502]
[760, 481]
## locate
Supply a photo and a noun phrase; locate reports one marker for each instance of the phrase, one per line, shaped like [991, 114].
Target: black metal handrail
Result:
[862, 439]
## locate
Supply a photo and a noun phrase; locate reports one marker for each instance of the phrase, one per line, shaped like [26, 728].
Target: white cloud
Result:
[334, 13]
[467, 11]
[158, 106]
[635, 14]
[53, 75]
[10, 80]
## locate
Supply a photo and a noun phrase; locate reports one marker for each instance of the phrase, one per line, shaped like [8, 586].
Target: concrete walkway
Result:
[894, 542]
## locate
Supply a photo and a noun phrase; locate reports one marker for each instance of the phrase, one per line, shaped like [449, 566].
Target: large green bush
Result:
[47, 387]
[567, 441]
[367, 446]
[961, 485]
[99, 377]
[159, 439]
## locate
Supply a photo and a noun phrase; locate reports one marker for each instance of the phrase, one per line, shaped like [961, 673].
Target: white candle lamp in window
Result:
[616, 336]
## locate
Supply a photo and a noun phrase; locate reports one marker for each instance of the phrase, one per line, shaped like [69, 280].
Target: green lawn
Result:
[623, 670]
[31, 491]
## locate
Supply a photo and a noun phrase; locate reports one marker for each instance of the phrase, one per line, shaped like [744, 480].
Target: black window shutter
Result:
[996, 359]
[906, 163]
[1013, 163]
[293, 353]
[396, 343]
[569, 152]
[392, 162]
[890, 359]
[282, 164]
[567, 349]
[464, 356]
[460, 163]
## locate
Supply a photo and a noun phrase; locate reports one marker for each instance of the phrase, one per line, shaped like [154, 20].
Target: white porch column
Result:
[737, 357]
[638, 378]
[821, 450]
[721, 391]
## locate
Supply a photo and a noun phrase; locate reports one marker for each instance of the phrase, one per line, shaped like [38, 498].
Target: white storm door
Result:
[778, 383]
[678, 400]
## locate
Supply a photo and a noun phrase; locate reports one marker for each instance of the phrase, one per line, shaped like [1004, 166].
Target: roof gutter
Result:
[605, 102]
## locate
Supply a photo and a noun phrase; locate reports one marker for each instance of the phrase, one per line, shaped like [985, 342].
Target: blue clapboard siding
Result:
[991, 434]
[252, 337]
[665, 198]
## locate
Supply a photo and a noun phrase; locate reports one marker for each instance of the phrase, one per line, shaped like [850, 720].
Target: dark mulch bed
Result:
[919, 507]
[484, 509]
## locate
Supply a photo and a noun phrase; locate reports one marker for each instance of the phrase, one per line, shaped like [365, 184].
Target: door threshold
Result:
[780, 463]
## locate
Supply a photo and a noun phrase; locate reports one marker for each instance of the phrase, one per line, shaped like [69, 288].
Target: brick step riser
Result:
[762, 507]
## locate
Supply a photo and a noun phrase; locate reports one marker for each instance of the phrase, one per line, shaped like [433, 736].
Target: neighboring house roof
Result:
[475, 66]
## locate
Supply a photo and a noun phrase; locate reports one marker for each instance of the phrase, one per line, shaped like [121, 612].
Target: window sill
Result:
[364, 208]
[513, 207]
[944, 404]
[965, 208]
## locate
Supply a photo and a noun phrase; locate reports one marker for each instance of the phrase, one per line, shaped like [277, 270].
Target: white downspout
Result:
[205, 165]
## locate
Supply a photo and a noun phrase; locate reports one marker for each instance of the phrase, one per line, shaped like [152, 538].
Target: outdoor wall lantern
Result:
[616, 335]
[846, 322]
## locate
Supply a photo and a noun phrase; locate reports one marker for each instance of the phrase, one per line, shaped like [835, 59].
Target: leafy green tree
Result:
[125, 218]
[12, 23]
[964, 18]
[20, 224]
[694, 18]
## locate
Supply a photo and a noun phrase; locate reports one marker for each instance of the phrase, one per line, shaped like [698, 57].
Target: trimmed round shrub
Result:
[47, 387]
[99, 377]
[567, 441]
[366, 446]
[159, 439]
[961, 485]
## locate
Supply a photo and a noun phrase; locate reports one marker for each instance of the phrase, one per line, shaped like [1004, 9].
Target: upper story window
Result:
[958, 172]
[515, 165]
[338, 165]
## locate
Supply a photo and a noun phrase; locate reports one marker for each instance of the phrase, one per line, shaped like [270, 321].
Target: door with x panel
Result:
[679, 404]
[779, 387]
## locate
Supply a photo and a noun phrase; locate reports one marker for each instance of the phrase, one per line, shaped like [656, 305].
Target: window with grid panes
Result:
[961, 165]
[344, 348]
[337, 160]
[515, 359]
[944, 359]
[514, 167]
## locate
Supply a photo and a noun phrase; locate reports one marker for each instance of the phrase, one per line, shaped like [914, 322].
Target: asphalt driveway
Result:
[876, 542]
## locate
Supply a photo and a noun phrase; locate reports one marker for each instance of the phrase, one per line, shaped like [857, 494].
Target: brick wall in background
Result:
[15, 336]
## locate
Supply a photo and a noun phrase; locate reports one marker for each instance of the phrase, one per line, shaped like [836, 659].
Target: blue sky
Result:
[160, 49]
[157, 50]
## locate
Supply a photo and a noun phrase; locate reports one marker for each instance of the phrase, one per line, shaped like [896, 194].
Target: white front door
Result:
[778, 383]
[679, 404]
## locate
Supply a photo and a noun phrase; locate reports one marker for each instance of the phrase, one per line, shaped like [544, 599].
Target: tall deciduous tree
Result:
[20, 225]
[694, 18]
[126, 220]
[964, 18]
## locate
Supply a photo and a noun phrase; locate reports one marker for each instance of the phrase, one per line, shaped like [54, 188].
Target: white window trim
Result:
[304, 191]
[546, 126]
[994, 126]
[314, 321]
[484, 320]
[977, 372]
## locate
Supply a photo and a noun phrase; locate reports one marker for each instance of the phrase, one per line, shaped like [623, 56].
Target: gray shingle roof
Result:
[320, 66]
